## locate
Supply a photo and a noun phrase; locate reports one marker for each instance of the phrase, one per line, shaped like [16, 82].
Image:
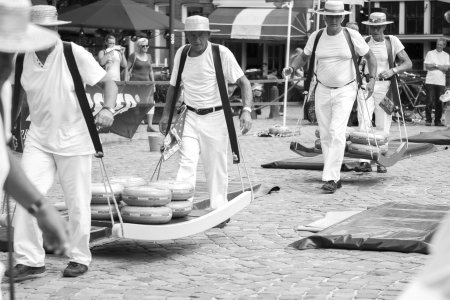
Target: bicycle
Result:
[413, 96]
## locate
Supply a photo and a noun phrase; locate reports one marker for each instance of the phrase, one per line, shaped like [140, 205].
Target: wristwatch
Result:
[35, 207]
[111, 110]
[249, 109]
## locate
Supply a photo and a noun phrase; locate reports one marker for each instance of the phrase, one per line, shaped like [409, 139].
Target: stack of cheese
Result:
[348, 132]
[317, 143]
[365, 143]
[182, 192]
[100, 210]
[146, 205]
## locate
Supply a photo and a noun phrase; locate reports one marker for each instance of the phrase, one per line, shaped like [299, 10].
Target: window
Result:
[392, 9]
[415, 53]
[236, 49]
[276, 55]
[193, 10]
[414, 17]
[438, 23]
[161, 47]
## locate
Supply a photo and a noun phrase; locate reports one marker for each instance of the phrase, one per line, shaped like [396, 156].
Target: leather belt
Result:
[204, 111]
[338, 87]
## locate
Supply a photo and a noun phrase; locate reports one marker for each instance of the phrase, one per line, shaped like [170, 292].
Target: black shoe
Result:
[381, 169]
[223, 224]
[74, 269]
[22, 271]
[331, 186]
[428, 123]
[363, 167]
[438, 124]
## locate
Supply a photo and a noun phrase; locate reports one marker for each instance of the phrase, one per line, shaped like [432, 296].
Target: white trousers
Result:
[366, 108]
[333, 107]
[74, 173]
[433, 282]
[206, 137]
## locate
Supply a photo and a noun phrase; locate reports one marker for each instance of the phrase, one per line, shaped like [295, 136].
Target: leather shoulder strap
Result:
[312, 60]
[354, 57]
[17, 100]
[2, 113]
[82, 99]
[394, 84]
[177, 85]
[367, 39]
[225, 103]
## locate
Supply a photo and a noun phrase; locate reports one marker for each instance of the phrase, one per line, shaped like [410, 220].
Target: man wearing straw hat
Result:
[58, 143]
[377, 42]
[18, 35]
[205, 133]
[336, 88]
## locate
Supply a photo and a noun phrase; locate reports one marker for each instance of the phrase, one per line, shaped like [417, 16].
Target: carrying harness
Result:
[223, 97]
[85, 109]
[313, 58]
[79, 90]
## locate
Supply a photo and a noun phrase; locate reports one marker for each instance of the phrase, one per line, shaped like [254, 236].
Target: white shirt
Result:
[380, 51]
[436, 76]
[199, 76]
[57, 123]
[334, 64]
[112, 65]
[5, 132]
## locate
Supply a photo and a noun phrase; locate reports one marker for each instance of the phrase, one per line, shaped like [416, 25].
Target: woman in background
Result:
[112, 58]
[140, 69]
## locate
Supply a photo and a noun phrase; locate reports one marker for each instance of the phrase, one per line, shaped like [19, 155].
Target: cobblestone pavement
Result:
[251, 257]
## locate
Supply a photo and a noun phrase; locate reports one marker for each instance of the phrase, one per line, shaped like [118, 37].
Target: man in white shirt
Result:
[336, 89]
[377, 42]
[205, 133]
[58, 143]
[437, 63]
[18, 35]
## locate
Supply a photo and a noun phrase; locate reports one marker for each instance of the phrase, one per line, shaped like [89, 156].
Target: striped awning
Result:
[257, 23]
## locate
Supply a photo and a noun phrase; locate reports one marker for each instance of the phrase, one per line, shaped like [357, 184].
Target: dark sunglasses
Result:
[144, 46]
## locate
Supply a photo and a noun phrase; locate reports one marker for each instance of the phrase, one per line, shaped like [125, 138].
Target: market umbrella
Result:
[118, 14]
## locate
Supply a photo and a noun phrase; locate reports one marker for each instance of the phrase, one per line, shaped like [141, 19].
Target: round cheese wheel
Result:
[365, 149]
[359, 137]
[348, 131]
[4, 220]
[317, 144]
[180, 190]
[146, 215]
[146, 196]
[180, 208]
[100, 194]
[317, 133]
[279, 129]
[101, 212]
[127, 181]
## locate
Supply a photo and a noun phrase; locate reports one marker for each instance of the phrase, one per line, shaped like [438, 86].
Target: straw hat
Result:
[333, 8]
[17, 34]
[377, 19]
[46, 15]
[197, 23]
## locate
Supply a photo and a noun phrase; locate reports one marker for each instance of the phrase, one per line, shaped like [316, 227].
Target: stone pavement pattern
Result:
[250, 258]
